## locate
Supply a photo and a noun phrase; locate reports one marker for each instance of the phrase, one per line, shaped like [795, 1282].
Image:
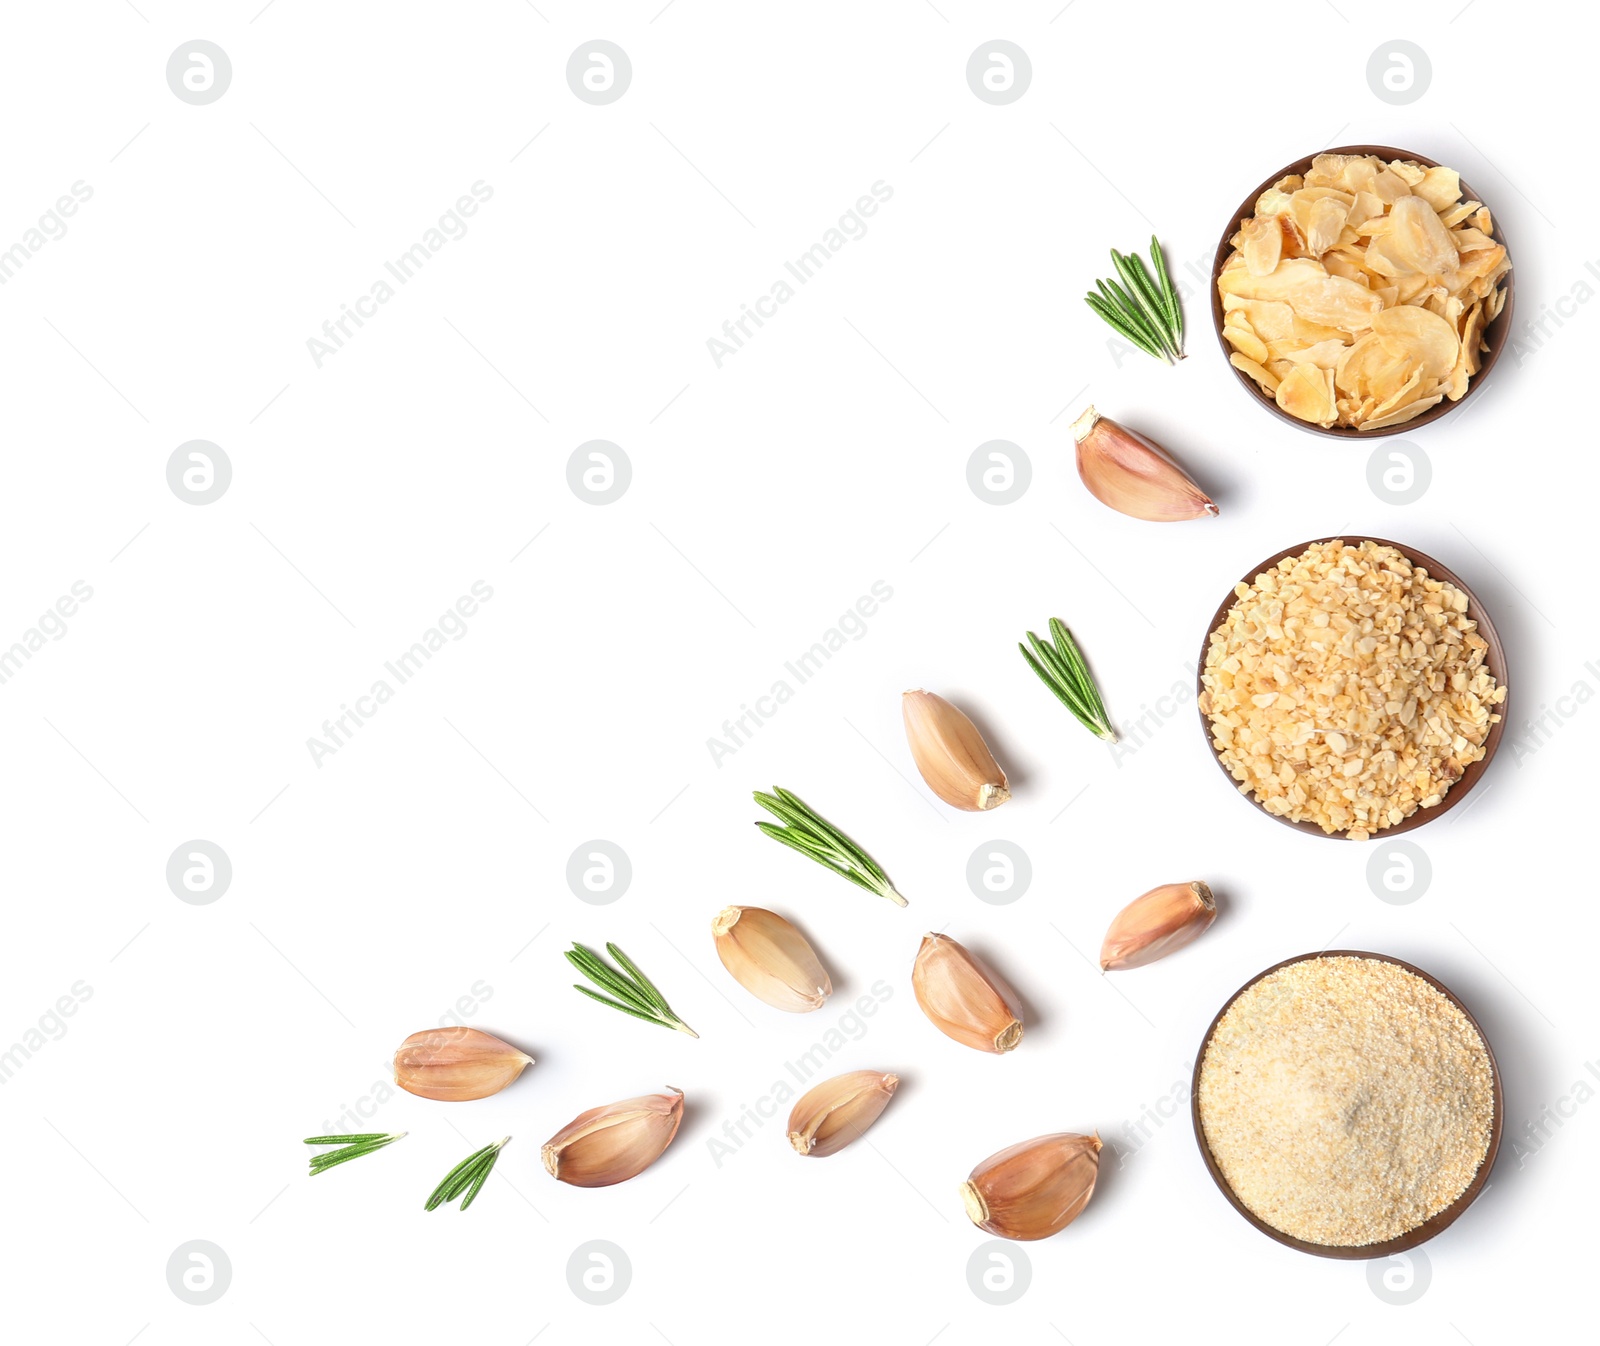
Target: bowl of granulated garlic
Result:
[1352, 686]
[1347, 1104]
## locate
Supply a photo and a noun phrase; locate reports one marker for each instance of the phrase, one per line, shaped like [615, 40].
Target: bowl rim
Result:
[1436, 1223]
[1495, 333]
[1494, 658]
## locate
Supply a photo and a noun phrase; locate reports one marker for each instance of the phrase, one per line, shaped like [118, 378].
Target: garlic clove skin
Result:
[1159, 923]
[951, 754]
[963, 999]
[1035, 1189]
[1135, 475]
[771, 959]
[835, 1112]
[453, 1065]
[609, 1145]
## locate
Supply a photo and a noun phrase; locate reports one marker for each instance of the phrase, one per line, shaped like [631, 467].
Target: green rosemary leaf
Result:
[621, 986]
[469, 1173]
[808, 846]
[323, 1163]
[823, 828]
[1150, 287]
[1114, 319]
[1062, 668]
[1174, 308]
[1147, 311]
[635, 993]
[1114, 296]
[438, 1195]
[364, 1144]
[582, 956]
[844, 844]
[1047, 653]
[484, 1170]
[608, 979]
[1082, 679]
[647, 1015]
[805, 844]
[1132, 269]
[807, 831]
[1129, 307]
[1051, 681]
[784, 811]
[827, 857]
[799, 822]
[462, 1181]
[1143, 295]
[645, 985]
[1060, 671]
[361, 1139]
[884, 889]
[1067, 647]
[605, 978]
[1156, 292]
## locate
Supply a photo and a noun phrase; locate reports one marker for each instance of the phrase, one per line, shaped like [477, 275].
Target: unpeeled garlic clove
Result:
[1159, 923]
[770, 959]
[830, 1116]
[1035, 1189]
[962, 998]
[614, 1143]
[951, 754]
[456, 1064]
[1135, 475]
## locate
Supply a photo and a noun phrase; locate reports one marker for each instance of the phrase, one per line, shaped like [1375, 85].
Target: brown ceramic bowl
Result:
[1435, 1224]
[1494, 658]
[1496, 334]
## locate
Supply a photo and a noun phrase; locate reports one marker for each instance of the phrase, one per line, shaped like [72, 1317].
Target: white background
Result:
[371, 892]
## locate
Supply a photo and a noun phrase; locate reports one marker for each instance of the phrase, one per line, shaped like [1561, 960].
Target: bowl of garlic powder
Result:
[1347, 1104]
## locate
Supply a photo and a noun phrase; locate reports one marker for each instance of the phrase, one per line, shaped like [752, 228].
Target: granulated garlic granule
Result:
[1346, 687]
[1345, 1100]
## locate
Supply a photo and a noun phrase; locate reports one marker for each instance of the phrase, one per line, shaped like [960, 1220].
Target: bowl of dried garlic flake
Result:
[1361, 292]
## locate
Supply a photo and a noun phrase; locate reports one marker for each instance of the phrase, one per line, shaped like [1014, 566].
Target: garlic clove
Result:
[1159, 923]
[456, 1064]
[951, 754]
[612, 1144]
[963, 999]
[1035, 1189]
[835, 1112]
[770, 959]
[1135, 475]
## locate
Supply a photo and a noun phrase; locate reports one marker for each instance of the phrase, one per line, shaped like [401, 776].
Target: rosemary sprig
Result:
[1061, 668]
[1143, 309]
[467, 1177]
[1169, 295]
[634, 992]
[350, 1147]
[808, 832]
